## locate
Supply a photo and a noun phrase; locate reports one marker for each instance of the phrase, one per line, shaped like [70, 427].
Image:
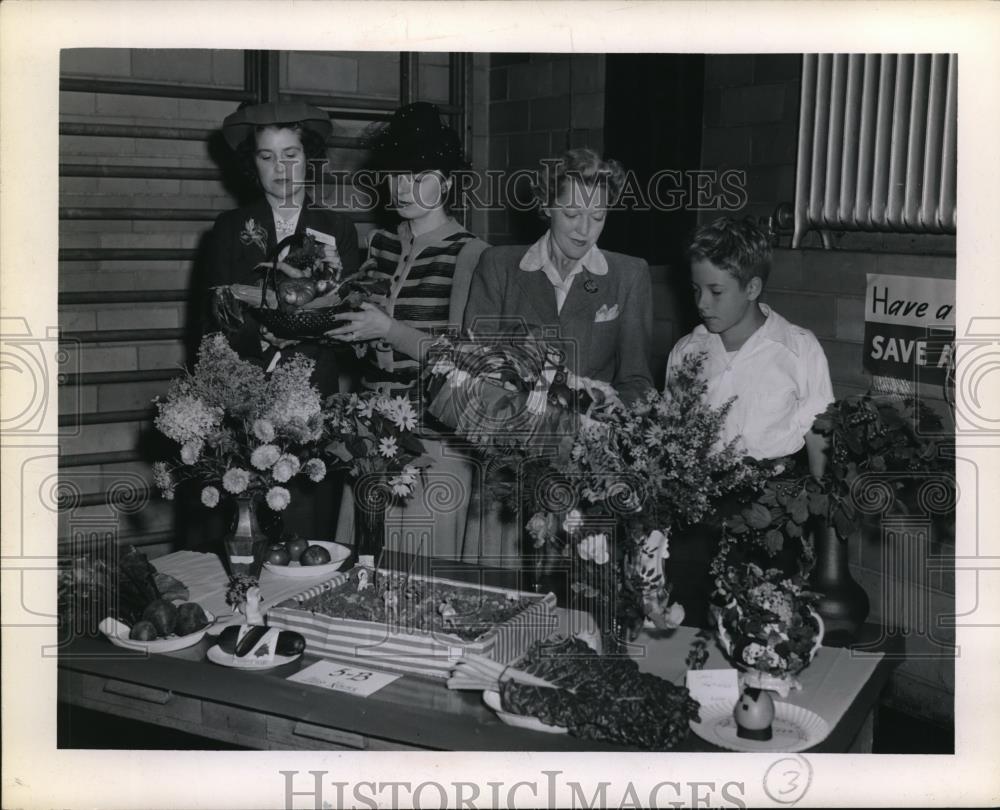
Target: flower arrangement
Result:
[890, 446]
[767, 624]
[616, 478]
[242, 433]
[372, 435]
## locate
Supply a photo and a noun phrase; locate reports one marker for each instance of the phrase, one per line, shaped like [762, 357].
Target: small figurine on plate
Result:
[754, 714]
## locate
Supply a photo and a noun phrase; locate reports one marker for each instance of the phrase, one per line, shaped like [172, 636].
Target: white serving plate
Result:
[117, 633]
[492, 699]
[338, 553]
[794, 729]
[217, 656]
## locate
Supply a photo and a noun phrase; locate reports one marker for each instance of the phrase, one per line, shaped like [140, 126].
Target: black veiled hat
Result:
[245, 120]
[415, 140]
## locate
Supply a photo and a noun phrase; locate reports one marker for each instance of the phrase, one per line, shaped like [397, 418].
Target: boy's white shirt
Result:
[780, 377]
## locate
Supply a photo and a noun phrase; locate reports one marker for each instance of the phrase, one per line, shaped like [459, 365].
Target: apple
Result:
[295, 547]
[315, 555]
[278, 555]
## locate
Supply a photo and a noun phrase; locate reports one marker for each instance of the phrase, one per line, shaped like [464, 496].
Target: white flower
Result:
[409, 474]
[402, 414]
[191, 450]
[236, 480]
[187, 417]
[210, 497]
[573, 521]
[400, 488]
[365, 408]
[263, 430]
[752, 652]
[285, 467]
[315, 469]
[387, 447]
[265, 456]
[278, 498]
[594, 547]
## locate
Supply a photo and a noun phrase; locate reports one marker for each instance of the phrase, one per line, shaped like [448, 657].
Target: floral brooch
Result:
[253, 234]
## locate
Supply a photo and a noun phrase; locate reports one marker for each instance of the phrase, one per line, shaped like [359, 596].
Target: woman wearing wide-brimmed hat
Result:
[428, 262]
[274, 143]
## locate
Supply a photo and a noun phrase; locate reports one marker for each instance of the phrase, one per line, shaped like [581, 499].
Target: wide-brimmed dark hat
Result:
[245, 120]
[416, 140]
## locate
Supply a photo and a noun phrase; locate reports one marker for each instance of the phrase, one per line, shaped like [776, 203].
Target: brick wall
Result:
[540, 105]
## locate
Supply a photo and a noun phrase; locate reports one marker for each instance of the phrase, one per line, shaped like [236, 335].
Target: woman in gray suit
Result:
[595, 304]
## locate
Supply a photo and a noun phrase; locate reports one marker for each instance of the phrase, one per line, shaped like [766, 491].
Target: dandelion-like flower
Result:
[387, 447]
[285, 467]
[210, 497]
[265, 456]
[236, 480]
[278, 498]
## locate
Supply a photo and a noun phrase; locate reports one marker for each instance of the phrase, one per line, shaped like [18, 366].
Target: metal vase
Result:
[246, 543]
[843, 603]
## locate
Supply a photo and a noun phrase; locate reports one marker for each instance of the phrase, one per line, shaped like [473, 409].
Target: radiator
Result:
[877, 144]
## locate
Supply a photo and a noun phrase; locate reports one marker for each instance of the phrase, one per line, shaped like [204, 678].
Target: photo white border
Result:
[35, 774]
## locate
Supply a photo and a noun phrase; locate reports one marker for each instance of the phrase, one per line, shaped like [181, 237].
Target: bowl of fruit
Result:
[164, 627]
[303, 558]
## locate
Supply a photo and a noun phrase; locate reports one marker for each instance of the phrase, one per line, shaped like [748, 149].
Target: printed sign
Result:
[909, 327]
[341, 678]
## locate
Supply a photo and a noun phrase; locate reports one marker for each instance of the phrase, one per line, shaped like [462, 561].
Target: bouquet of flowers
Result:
[370, 434]
[767, 624]
[372, 438]
[884, 455]
[242, 432]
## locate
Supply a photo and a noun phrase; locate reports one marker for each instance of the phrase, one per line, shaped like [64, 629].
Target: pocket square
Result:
[606, 313]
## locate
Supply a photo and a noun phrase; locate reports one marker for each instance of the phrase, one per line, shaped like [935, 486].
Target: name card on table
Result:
[714, 686]
[342, 678]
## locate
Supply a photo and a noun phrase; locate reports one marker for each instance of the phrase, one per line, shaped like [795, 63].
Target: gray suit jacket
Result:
[615, 351]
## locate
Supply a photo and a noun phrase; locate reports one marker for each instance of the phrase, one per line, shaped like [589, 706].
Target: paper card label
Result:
[714, 685]
[322, 238]
[342, 678]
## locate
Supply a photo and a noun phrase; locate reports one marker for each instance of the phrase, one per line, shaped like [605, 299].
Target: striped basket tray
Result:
[416, 652]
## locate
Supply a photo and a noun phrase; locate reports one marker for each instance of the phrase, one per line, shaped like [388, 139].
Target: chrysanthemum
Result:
[236, 480]
[315, 469]
[387, 446]
[265, 456]
[191, 450]
[263, 430]
[210, 497]
[285, 467]
[278, 498]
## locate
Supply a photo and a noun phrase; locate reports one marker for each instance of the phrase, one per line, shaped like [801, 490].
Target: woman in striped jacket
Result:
[428, 262]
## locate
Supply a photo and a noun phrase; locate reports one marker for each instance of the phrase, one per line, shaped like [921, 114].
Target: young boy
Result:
[777, 371]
